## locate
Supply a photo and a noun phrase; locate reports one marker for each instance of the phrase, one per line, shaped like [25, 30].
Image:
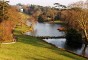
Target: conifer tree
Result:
[3, 10]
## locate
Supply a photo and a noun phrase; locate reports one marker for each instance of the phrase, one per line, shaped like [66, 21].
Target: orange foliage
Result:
[7, 26]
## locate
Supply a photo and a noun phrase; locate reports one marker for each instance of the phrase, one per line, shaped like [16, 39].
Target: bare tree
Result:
[82, 19]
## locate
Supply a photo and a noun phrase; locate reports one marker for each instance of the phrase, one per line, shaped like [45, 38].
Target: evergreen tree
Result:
[3, 10]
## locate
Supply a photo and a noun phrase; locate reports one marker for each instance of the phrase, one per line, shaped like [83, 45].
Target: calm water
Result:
[46, 29]
[60, 43]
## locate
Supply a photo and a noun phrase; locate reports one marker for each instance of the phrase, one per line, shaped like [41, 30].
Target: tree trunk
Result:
[85, 34]
[85, 41]
[84, 50]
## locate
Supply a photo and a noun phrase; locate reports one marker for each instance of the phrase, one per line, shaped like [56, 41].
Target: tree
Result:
[57, 17]
[79, 4]
[82, 20]
[9, 25]
[61, 8]
[9, 16]
[3, 10]
[78, 19]
[3, 17]
[40, 18]
[59, 5]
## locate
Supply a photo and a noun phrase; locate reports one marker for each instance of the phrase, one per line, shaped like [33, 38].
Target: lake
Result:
[46, 29]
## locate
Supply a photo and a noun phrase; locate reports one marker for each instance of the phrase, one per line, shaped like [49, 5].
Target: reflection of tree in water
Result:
[31, 23]
[34, 32]
[72, 47]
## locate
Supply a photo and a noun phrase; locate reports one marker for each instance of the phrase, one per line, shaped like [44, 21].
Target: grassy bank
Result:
[31, 48]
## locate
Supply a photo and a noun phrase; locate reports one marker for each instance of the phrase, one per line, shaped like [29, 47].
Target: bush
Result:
[40, 19]
[73, 38]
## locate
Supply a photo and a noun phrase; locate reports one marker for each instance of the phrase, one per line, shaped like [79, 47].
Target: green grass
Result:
[23, 28]
[31, 48]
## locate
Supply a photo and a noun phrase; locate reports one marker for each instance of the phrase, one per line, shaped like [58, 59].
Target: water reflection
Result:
[46, 29]
[61, 43]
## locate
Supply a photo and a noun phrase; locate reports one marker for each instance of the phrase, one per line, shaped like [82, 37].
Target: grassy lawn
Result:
[31, 48]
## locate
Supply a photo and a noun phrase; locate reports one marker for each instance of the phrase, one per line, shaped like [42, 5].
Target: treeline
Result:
[42, 14]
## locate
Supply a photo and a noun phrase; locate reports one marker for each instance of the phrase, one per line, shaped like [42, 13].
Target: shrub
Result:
[40, 19]
[73, 38]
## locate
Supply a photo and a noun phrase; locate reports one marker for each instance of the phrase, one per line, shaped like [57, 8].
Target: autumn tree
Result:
[3, 17]
[8, 19]
[81, 18]
[78, 19]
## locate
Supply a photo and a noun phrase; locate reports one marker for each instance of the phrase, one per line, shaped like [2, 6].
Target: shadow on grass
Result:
[36, 58]
[31, 40]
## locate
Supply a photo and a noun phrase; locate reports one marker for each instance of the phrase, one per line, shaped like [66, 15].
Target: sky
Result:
[43, 2]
